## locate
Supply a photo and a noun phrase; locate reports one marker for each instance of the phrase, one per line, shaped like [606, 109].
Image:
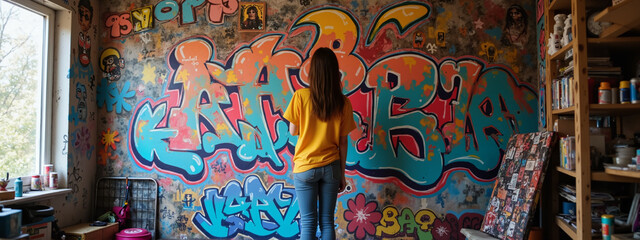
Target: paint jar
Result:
[625, 92]
[607, 226]
[615, 93]
[604, 93]
[53, 180]
[47, 170]
[635, 95]
[36, 183]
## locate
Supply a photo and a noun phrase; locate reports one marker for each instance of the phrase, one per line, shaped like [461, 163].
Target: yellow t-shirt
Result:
[319, 141]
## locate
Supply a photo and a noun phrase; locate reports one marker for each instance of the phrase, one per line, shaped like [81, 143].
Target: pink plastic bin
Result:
[133, 234]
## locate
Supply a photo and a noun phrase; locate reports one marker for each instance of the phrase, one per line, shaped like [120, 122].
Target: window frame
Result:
[44, 125]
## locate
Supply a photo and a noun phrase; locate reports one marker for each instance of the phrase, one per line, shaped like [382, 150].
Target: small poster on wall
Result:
[252, 16]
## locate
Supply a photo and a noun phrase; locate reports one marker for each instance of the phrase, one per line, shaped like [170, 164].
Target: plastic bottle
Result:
[625, 92]
[18, 187]
[604, 93]
[635, 95]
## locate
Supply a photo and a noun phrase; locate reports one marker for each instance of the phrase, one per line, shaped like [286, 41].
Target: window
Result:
[25, 86]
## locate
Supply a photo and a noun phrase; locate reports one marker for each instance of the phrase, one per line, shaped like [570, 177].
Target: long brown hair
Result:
[327, 99]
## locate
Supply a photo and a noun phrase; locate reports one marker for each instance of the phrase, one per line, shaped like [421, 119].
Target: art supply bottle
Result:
[635, 95]
[625, 92]
[18, 187]
[607, 226]
[36, 183]
[604, 93]
[53, 180]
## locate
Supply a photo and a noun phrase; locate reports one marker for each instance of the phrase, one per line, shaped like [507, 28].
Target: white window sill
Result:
[34, 196]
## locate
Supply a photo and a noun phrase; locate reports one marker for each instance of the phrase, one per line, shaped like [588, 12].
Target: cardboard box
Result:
[84, 231]
[40, 230]
[7, 195]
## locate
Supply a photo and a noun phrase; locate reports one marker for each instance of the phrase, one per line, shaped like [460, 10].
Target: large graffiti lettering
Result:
[419, 118]
[141, 19]
[250, 209]
[365, 219]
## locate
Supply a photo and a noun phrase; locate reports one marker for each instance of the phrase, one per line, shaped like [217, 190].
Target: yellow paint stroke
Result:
[149, 73]
[434, 137]
[330, 21]
[231, 77]
[403, 15]
[183, 76]
[409, 61]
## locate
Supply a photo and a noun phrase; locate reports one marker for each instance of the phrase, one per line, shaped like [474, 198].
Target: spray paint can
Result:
[53, 180]
[604, 93]
[635, 95]
[47, 170]
[18, 187]
[625, 92]
[607, 226]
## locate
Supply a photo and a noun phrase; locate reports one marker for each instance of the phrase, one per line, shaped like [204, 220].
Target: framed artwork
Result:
[252, 17]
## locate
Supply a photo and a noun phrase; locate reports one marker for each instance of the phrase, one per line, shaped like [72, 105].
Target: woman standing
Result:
[322, 117]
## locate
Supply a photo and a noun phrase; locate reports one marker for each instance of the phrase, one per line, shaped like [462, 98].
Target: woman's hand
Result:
[343, 184]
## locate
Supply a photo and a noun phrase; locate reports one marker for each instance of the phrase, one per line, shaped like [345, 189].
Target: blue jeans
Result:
[318, 188]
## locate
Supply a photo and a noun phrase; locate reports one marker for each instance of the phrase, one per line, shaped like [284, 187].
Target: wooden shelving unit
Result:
[625, 18]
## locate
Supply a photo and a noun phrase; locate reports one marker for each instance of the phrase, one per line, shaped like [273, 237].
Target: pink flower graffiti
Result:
[362, 216]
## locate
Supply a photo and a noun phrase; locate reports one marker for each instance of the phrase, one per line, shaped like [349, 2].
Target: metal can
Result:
[47, 170]
[635, 95]
[607, 226]
[604, 93]
[625, 92]
[53, 180]
[36, 183]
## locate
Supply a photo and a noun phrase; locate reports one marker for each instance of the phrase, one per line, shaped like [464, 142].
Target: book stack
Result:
[568, 152]
[602, 67]
[562, 96]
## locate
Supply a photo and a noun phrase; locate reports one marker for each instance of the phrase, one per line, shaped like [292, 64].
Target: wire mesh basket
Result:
[143, 200]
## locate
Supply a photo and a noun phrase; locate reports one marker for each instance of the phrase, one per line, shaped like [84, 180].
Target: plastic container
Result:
[607, 226]
[36, 183]
[53, 180]
[635, 95]
[604, 93]
[625, 92]
[18, 187]
[133, 234]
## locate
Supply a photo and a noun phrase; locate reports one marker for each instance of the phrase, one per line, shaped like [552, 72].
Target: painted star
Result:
[478, 23]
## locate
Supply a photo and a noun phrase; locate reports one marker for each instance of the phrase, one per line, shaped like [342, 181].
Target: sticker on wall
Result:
[252, 16]
[418, 39]
[142, 18]
[440, 39]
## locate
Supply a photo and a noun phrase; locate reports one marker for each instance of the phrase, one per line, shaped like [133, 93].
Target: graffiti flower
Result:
[82, 139]
[109, 139]
[449, 226]
[361, 216]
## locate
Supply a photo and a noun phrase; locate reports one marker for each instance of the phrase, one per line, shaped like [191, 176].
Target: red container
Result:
[133, 234]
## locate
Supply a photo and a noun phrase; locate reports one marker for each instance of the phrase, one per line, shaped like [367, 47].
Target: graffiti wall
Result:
[185, 95]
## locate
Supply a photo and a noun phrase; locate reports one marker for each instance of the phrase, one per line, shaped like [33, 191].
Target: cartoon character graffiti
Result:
[81, 95]
[188, 200]
[111, 64]
[85, 14]
[515, 27]
[84, 48]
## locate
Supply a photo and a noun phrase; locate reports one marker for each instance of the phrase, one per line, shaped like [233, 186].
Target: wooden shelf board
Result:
[607, 177]
[560, 5]
[631, 174]
[615, 109]
[617, 42]
[560, 53]
[563, 111]
[624, 13]
[565, 171]
[568, 229]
